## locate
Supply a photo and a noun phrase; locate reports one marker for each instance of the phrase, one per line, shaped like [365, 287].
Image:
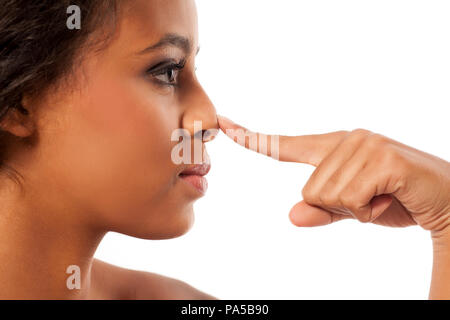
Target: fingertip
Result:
[374, 209]
[380, 204]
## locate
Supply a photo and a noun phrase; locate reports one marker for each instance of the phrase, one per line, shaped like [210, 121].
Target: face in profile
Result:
[104, 152]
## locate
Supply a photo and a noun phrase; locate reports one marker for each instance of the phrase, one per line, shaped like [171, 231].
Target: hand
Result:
[369, 177]
[366, 176]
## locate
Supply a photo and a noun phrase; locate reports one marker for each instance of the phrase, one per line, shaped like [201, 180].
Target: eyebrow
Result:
[174, 40]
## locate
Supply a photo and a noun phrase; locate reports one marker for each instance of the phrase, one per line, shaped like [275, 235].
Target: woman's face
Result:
[106, 147]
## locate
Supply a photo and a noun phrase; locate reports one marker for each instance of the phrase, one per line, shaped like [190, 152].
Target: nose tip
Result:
[200, 117]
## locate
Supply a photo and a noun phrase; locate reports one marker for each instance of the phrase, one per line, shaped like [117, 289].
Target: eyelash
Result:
[164, 68]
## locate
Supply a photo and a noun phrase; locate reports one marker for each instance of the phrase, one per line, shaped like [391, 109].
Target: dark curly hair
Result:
[37, 49]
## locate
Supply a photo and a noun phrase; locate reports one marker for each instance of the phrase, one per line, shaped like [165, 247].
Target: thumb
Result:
[305, 215]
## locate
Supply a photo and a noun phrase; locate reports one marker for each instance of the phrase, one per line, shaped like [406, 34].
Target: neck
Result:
[38, 245]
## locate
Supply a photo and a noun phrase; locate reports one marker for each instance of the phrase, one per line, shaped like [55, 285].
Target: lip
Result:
[197, 170]
[194, 175]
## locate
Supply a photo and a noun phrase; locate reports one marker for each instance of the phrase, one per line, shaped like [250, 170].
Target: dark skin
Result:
[102, 162]
[103, 154]
[112, 282]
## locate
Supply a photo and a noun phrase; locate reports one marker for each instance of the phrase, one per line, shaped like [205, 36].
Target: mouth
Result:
[194, 175]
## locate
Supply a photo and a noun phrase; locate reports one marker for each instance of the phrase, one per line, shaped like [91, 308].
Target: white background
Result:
[303, 67]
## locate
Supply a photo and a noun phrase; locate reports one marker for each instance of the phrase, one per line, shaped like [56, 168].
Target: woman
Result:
[87, 120]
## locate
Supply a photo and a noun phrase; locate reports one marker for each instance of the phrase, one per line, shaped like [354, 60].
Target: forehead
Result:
[146, 21]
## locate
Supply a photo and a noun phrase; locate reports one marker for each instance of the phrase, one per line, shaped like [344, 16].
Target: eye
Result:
[166, 73]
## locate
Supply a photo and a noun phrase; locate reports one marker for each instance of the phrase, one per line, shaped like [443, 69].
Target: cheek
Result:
[121, 148]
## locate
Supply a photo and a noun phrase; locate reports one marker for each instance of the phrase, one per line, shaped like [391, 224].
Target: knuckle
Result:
[377, 142]
[359, 132]
[357, 136]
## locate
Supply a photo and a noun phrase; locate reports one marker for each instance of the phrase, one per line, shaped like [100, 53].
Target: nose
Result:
[200, 117]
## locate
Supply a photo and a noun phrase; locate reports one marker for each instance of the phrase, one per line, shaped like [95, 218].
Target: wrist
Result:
[440, 288]
[441, 216]
[441, 240]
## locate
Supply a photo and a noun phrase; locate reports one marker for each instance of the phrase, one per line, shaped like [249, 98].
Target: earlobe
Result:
[17, 121]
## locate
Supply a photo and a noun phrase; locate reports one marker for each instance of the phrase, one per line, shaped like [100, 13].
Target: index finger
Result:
[310, 149]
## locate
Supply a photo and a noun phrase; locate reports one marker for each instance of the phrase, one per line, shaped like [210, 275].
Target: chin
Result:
[177, 225]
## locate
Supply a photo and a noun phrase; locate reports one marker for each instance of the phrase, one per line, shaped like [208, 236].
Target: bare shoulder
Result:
[112, 282]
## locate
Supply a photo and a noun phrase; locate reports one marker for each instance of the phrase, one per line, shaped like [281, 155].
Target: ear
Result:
[18, 121]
